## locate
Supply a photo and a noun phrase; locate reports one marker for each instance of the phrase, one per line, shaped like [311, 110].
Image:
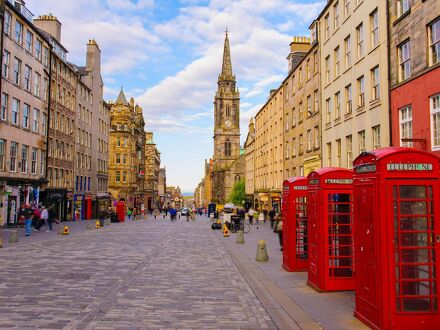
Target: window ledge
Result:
[401, 17]
[375, 103]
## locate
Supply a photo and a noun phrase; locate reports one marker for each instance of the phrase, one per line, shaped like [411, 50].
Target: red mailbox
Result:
[330, 214]
[397, 238]
[295, 240]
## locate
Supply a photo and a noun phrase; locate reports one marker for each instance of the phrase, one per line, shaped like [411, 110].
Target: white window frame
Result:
[434, 104]
[434, 42]
[405, 125]
[376, 136]
[360, 41]
[402, 7]
[404, 53]
[374, 28]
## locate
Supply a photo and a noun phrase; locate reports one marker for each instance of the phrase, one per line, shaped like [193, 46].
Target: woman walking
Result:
[279, 228]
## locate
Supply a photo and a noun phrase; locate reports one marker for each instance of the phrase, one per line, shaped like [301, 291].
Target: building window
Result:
[309, 105]
[361, 141]
[36, 119]
[27, 78]
[46, 57]
[361, 91]
[309, 140]
[118, 159]
[405, 123]
[434, 40]
[347, 44]
[227, 148]
[294, 147]
[287, 150]
[337, 61]
[26, 113]
[118, 141]
[402, 7]
[17, 71]
[44, 124]
[18, 32]
[2, 154]
[13, 157]
[300, 112]
[329, 154]
[337, 105]
[360, 40]
[376, 137]
[300, 79]
[124, 159]
[6, 60]
[316, 135]
[375, 83]
[349, 146]
[34, 161]
[118, 176]
[404, 60]
[29, 41]
[301, 144]
[7, 23]
[336, 15]
[435, 118]
[327, 26]
[37, 83]
[15, 110]
[315, 61]
[5, 107]
[38, 47]
[327, 69]
[308, 69]
[348, 100]
[316, 98]
[338, 152]
[374, 28]
[24, 158]
[328, 110]
[346, 8]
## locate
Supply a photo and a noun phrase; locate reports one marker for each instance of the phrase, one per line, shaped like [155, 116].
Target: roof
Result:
[387, 151]
[294, 179]
[121, 98]
[329, 170]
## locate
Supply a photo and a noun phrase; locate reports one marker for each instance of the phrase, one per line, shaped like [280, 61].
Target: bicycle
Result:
[242, 226]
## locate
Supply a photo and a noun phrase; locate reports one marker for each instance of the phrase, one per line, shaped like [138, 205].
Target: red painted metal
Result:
[120, 211]
[397, 238]
[330, 213]
[295, 232]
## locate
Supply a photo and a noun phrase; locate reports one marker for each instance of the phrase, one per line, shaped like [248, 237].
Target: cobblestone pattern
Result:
[137, 275]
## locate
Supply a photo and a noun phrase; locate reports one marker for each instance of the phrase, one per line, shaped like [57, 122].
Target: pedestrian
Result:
[26, 212]
[52, 216]
[129, 213]
[272, 217]
[45, 218]
[261, 217]
[251, 213]
[279, 228]
[36, 219]
[265, 212]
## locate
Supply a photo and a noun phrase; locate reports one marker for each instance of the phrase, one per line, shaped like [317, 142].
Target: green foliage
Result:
[238, 194]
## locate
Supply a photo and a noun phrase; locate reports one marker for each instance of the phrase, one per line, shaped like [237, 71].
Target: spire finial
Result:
[226, 31]
[226, 72]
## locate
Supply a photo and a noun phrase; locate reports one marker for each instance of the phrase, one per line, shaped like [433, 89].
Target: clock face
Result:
[228, 123]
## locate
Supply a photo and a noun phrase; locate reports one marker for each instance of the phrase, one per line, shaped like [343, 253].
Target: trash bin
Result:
[114, 217]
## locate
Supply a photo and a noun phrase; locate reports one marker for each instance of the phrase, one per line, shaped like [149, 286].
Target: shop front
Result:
[103, 202]
[275, 201]
[62, 200]
[78, 202]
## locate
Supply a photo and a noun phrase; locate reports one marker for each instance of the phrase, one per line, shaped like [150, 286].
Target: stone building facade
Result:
[269, 152]
[249, 159]
[228, 164]
[162, 186]
[414, 44]
[24, 112]
[302, 104]
[354, 79]
[152, 168]
[126, 147]
[62, 115]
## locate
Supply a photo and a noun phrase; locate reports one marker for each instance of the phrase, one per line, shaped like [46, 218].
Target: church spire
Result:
[226, 73]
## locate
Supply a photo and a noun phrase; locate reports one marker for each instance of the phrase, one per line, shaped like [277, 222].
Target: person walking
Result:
[251, 213]
[45, 218]
[129, 213]
[272, 217]
[265, 212]
[26, 212]
[279, 228]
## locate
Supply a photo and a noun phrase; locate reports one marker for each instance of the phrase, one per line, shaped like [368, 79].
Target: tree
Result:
[238, 194]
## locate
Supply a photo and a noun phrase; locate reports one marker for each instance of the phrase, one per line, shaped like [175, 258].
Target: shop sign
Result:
[264, 198]
[339, 181]
[409, 167]
[300, 188]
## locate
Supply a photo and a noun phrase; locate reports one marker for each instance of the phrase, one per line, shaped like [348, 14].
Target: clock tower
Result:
[226, 114]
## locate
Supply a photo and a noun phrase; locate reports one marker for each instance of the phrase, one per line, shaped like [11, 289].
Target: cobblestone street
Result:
[135, 275]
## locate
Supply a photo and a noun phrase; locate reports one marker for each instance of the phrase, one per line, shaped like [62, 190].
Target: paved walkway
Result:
[152, 274]
[286, 296]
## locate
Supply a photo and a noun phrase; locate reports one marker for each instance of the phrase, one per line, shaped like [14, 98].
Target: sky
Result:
[167, 55]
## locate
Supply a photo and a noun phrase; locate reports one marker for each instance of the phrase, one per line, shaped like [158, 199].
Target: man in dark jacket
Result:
[272, 217]
[27, 212]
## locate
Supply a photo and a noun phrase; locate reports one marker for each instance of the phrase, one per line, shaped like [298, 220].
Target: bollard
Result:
[262, 251]
[225, 231]
[97, 224]
[13, 238]
[89, 225]
[240, 237]
[66, 230]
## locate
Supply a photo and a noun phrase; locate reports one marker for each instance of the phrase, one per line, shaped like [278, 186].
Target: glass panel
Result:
[412, 191]
[414, 239]
[419, 223]
[416, 304]
[414, 255]
[413, 207]
[415, 271]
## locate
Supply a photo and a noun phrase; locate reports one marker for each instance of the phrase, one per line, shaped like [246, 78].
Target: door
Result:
[301, 228]
[415, 245]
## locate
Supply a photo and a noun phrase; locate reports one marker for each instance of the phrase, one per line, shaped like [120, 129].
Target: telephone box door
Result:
[416, 239]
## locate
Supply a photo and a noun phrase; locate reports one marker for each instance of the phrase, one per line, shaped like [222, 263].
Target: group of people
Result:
[276, 221]
[34, 217]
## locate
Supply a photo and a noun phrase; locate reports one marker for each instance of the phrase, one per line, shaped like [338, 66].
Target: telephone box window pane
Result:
[414, 249]
[301, 228]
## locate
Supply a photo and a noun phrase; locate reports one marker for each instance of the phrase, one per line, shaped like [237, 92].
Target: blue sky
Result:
[167, 55]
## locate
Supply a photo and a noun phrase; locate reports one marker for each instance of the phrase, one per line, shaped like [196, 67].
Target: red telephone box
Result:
[295, 234]
[88, 205]
[330, 214]
[120, 211]
[397, 238]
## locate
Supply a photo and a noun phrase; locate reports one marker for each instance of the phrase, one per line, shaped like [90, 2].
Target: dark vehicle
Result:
[211, 208]
[185, 211]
